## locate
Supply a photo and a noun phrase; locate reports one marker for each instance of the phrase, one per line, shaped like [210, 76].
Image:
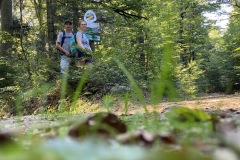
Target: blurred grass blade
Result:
[133, 84]
[164, 83]
[63, 86]
[80, 85]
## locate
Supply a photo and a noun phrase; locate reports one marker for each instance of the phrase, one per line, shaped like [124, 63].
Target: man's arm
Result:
[59, 47]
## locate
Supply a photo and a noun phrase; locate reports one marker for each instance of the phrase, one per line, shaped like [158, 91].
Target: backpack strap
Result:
[75, 38]
[63, 38]
[75, 35]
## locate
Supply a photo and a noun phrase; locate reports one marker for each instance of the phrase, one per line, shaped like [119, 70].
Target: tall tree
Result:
[40, 14]
[6, 27]
[50, 24]
[192, 32]
[232, 44]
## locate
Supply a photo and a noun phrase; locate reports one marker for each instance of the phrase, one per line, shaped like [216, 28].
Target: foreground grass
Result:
[180, 133]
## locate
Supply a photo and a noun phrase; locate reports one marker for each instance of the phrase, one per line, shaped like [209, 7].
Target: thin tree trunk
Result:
[21, 29]
[50, 25]
[21, 41]
[38, 5]
[181, 41]
[75, 17]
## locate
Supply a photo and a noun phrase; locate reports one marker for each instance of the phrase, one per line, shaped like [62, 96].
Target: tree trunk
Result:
[38, 5]
[181, 32]
[75, 17]
[6, 26]
[50, 25]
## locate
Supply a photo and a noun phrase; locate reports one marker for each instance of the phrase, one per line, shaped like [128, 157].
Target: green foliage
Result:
[187, 79]
[5, 37]
[182, 115]
[163, 45]
[8, 88]
[231, 43]
[217, 65]
[218, 73]
[191, 122]
[236, 70]
[7, 77]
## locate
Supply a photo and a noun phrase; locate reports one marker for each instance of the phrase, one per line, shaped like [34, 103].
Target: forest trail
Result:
[227, 104]
[213, 101]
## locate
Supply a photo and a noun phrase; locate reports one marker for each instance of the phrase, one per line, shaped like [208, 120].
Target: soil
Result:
[210, 102]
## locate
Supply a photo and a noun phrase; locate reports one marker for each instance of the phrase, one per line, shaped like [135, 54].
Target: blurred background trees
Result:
[166, 45]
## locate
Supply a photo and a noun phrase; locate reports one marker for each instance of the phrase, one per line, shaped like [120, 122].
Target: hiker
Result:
[84, 48]
[62, 45]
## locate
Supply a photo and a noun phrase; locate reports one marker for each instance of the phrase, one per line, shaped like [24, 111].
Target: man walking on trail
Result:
[62, 45]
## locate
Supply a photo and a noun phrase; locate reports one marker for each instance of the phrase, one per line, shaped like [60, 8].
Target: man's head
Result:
[68, 25]
[68, 22]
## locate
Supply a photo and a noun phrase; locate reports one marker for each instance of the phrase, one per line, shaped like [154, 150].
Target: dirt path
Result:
[228, 104]
[209, 102]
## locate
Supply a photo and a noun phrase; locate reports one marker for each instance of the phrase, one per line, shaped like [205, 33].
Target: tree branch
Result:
[62, 3]
[127, 15]
[121, 11]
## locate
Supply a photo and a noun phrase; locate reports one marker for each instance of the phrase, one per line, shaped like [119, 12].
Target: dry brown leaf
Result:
[106, 124]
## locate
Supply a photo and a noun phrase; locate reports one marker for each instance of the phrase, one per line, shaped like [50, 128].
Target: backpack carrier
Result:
[74, 49]
[73, 45]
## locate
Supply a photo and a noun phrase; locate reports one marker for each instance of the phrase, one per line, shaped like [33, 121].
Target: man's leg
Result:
[64, 65]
